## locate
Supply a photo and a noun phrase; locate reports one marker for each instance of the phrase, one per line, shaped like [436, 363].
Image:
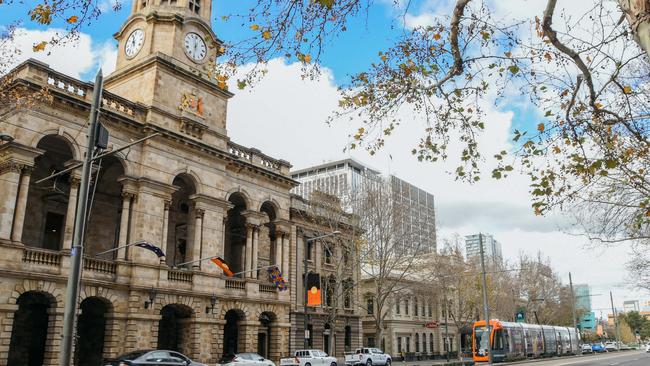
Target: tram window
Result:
[498, 340]
[506, 340]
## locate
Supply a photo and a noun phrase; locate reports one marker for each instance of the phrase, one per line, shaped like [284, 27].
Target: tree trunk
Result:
[637, 13]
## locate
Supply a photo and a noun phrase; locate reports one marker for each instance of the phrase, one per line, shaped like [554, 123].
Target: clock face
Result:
[134, 43]
[195, 47]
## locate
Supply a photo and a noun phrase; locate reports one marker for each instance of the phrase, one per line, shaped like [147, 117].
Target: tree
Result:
[388, 250]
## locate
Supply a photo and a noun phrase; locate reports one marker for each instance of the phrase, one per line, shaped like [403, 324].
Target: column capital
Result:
[16, 153]
[127, 194]
[11, 167]
[198, 213]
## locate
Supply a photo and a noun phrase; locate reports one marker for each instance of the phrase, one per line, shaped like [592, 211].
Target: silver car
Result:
[246, 359]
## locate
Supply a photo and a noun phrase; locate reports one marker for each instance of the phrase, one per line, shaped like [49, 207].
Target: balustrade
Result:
[41, 256]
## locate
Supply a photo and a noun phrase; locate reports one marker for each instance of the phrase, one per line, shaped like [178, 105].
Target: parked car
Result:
[152, 357]
[611, 346]
[309, 357]
[598, 347]
[586, 348]
[245, 359]
[647, 347]
[368, 357]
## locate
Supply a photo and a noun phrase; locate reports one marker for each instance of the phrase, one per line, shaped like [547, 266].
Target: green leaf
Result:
[513, 69]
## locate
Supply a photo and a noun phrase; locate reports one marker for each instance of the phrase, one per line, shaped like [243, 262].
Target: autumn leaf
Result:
[541, 127]
[627, 89]
[307, 58]
[73, 19]
[437, 36]
[325, 3]
[39, 47]
[255, 27]
[598, 106]
[266, 35]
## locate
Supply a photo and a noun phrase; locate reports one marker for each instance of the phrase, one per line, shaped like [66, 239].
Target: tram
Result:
[517, 341]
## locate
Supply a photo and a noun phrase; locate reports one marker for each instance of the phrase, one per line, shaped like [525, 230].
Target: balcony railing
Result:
[41, 256]
[100, 265]
[255, 157]
[179, 275]
[236, 285]
[268, 288]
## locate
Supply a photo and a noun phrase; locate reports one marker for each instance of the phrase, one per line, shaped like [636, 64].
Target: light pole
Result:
[6, 138]
[304, 280]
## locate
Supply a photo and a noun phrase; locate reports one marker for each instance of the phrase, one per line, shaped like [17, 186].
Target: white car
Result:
[309, 357]
[246, 359]
[647, 347]
[611, 346]
[368, 357]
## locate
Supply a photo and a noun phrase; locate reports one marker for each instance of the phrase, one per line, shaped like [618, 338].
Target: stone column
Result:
[256, 245]
[277, 260]
[197, 243]
[21, 205]
[124, 224]
[10, 175]
[248, 250]
[285, 255]
[165, 226]
[71, 213]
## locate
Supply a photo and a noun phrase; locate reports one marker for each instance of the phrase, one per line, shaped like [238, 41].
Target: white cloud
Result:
[74, 58]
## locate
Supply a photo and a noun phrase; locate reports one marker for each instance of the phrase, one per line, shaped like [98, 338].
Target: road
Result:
[627, 358]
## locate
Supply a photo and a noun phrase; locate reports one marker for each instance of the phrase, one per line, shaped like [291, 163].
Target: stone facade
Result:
[335, 325]
[189, 190]
[414, 326]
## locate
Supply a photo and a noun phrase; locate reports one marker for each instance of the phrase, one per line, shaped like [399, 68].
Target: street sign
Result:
[433, 324]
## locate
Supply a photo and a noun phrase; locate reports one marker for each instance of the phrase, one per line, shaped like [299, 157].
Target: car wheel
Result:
[307, 364]
[369, 362]
[387, 362]
[333, 364]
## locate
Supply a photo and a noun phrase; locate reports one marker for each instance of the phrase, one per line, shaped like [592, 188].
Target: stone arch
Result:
[240, 309]
[61, 133]
[180, 223]
[270, 248]
[105, 214]
[175, 328]
[51, 203]
[33, 328]
[234, 339]
[172, 299]
[189, 175]
[238, 234]
[48, 289]
[93, 330]
[241, 192]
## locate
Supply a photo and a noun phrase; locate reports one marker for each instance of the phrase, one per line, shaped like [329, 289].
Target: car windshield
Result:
[482, 339]
[131, 355]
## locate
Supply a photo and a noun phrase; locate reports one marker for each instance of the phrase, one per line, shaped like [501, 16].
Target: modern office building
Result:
[631, 305]
[491, 247]
[344, 179]
[582, 295]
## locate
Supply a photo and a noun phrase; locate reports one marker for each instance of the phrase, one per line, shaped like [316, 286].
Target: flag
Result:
[151, 247]
[276, 277]
[313, 289]
[223, 265]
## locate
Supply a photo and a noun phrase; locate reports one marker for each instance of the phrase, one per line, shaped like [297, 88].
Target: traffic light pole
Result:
[76, 255]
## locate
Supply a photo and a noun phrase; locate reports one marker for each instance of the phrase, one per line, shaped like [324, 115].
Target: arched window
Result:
[417, 342]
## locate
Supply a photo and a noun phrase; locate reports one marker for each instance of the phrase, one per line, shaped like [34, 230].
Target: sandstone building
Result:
[190, 191]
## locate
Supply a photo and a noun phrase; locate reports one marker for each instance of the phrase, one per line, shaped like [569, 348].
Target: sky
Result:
[284, 116]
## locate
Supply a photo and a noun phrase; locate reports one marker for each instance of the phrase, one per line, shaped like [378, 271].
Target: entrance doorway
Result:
[29, 331]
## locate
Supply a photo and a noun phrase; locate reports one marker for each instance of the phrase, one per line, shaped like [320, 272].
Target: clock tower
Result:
[167, 51]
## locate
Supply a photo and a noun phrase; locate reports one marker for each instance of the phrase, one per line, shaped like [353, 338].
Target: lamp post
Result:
[304, 283]
[6, 138]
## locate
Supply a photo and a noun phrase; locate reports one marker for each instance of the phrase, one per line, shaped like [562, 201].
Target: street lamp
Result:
[304, 283]
[6, 138]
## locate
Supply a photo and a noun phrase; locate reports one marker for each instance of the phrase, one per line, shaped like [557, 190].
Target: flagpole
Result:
[118, 248]
[253, 270]
[196, 261]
